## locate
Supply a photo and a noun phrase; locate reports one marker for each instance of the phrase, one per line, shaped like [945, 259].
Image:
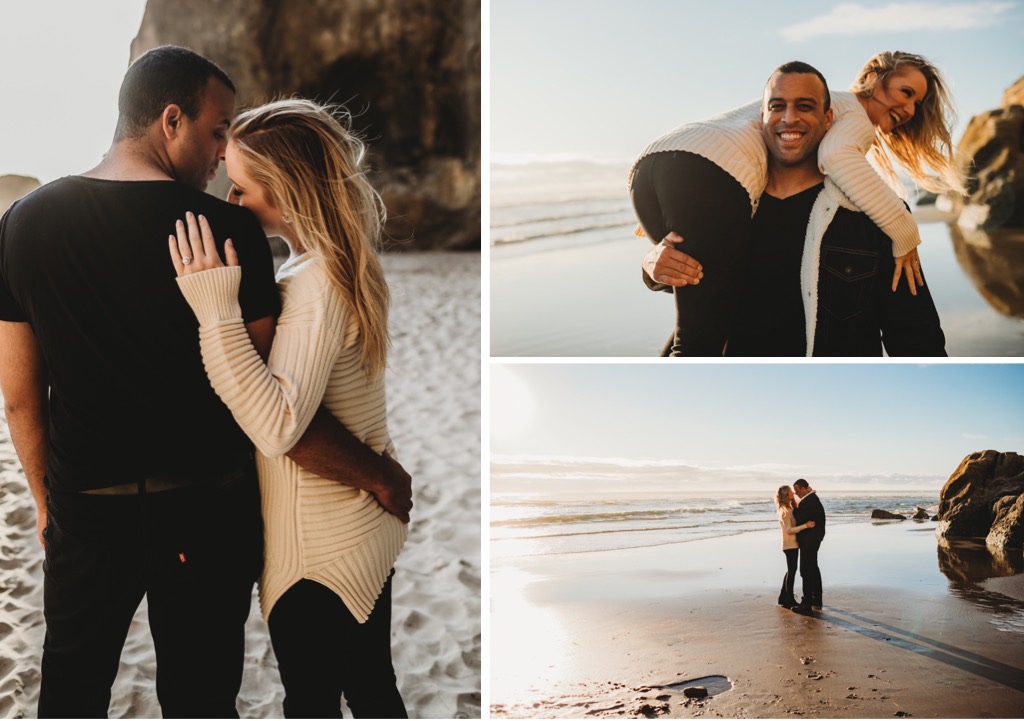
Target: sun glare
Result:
[511, 403]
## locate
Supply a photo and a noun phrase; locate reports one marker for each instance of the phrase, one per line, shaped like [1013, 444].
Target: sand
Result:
[434, 412]
[623, 633]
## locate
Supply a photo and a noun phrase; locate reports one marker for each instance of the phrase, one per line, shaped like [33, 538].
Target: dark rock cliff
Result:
[984, 498]
[408, 69]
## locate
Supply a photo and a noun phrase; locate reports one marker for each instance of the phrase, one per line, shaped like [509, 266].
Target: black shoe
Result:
[788, 603]
[802, 608]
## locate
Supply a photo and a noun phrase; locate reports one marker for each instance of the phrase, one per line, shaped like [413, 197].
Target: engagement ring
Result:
[185, 259]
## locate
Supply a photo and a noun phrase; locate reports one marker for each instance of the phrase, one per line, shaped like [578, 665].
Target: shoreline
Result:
[614, 633]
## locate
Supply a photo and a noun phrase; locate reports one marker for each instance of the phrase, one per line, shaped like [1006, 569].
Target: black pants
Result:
[195, 553]
[709, 208]
[810, 574]
[786, 597]
[323, 652]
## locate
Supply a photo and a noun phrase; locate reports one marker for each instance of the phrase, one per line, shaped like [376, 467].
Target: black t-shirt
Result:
[771, 317]
[86, 263]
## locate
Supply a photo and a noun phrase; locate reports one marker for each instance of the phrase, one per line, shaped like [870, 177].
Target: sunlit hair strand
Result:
[312, 167]
[924, 142]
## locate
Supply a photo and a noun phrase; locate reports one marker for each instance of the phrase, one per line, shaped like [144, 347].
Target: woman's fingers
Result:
[184, 248]
[907, 265]
[179, 267]
[209, 247]
[230, 255]
[196, 247]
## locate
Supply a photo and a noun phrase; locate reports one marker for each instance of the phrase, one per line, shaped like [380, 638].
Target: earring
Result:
[286, 218]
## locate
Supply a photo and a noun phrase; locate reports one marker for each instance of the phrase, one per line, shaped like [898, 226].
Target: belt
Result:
[236, 468]
[149, 485]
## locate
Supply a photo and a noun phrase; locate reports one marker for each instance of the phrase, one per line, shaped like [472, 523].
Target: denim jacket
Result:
[846, 280]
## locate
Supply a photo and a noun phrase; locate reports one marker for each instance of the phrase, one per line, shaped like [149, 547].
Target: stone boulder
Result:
[14, 188]
[920, 514]
[982, 499]
[879, 514]
[408, 70]
[993, 149]
[994, 262]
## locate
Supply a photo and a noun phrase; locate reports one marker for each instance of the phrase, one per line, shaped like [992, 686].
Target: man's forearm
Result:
[25, 387]
[28, 426]
[329, 450]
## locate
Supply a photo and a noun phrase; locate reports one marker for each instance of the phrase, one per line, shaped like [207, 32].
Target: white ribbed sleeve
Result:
[841, 156]
[314, 528]
[733, 142]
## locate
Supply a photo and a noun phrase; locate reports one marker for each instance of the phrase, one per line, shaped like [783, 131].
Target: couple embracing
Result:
[802, 519]
[146, 348]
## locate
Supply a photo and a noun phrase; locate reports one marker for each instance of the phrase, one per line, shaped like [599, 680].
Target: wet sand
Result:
[623, 633]
[589, 300]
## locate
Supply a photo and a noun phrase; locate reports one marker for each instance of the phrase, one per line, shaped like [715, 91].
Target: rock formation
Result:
[920, 514]
[984, 498]
[14, 187]
[879, 514]
[993, 147]
[409, 70]
[994, 262]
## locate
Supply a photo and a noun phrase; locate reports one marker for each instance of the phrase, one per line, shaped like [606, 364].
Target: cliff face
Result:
[409, 70]
[13, 188]
[993, 146]
[984, 498]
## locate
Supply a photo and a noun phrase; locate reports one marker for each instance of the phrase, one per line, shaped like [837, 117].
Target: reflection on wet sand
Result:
[994, 261]
[968, 563]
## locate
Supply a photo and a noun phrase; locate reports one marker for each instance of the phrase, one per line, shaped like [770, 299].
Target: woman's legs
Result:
[689, 194]
[786, 597]
[323, 652]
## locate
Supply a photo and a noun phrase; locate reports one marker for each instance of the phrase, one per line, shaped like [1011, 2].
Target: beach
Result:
[434, 416]
[566, 277]
[908, 628]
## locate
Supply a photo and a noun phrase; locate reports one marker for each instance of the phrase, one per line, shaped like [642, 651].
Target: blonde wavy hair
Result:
[925, 140]
[778, 497]
[312, 167]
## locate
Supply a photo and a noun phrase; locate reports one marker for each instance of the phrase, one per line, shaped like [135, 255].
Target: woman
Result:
[326, 585]
[784, 501]
[703, 181]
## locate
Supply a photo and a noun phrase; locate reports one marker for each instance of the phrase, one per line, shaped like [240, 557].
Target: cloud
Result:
[973, 436]
[855, 19]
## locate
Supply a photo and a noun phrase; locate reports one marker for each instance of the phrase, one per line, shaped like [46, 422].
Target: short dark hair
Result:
[798, 66]
[802, 483]
[160, 77]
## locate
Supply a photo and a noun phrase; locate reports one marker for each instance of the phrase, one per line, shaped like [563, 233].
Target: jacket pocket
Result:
[846, 281]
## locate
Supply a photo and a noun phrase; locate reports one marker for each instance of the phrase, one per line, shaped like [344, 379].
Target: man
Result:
[809, 539]
[818, 271]
[143, 482]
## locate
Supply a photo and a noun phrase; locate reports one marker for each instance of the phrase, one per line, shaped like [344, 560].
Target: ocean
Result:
[531, 524]
[565, 270]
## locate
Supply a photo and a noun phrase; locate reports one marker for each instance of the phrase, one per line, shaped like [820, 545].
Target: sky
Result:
[856, 423]
[61, 64]
[599, 79]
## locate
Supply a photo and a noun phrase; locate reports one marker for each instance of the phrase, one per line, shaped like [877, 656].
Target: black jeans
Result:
[810, 574]
[323, 652]
[709, 208]
[786, 597]
[194, 552]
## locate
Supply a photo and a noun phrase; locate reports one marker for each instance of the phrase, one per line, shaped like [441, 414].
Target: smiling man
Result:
[818, 272]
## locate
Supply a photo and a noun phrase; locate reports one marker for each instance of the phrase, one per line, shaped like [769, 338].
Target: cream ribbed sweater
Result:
[789, 528]
[314, 528]
[733, 142]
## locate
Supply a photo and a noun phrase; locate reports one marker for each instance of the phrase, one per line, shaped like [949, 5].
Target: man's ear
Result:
[170, 121]
[828, 118]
